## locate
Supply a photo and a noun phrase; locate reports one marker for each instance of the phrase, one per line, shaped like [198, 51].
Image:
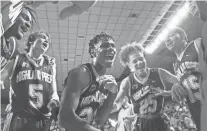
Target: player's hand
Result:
[161, 92]
[178, 92]
[109, 83]
[53, 104]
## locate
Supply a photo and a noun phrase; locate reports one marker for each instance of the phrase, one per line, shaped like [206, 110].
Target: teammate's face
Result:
[137, 62]
[22, 24]
[106, 53]
[173, 41]
[41, 44]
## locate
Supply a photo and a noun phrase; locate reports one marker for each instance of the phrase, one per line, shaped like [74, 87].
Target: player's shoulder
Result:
[81, 72]
[155, 69]
[50, 60]
[80, 69]
[194, 43]
[128, 80]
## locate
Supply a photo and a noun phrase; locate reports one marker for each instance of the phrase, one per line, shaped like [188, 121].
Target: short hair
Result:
[129, 49]
[96, 39]
[181, 32]
[32, 37]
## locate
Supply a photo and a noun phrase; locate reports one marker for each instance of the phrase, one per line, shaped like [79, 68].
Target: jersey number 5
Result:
[35, 91]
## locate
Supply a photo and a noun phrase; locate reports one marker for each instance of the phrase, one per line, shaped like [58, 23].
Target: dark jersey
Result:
[184, 69]
[32, 86]
[141, 94]
[92, 97]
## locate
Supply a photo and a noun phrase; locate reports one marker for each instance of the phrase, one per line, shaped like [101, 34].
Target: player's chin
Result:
[109, 64]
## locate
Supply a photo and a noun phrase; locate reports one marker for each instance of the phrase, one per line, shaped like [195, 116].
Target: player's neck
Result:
[101, 70]
[34, 55]
[180, 51]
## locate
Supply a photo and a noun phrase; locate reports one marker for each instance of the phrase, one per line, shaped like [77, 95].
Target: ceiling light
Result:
[81, 36]
[177, 18]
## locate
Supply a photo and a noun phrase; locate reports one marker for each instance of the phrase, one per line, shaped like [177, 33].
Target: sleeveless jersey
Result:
[141, 94]
[92, 97]
[31, 87]
[189, 76]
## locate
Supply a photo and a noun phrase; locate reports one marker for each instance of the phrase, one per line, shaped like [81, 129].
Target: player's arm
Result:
[7, 71]
[123, 91]
[77, 79]
[177, 91]
[54, 82]
[167, 76]
[54, 100]
[204, 36]
[104, 110]
[131, 117]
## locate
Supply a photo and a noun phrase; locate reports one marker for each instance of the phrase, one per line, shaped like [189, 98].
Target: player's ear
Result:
[93, 53]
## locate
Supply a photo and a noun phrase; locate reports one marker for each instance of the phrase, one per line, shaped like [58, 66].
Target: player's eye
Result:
[25, 17]
[45, 44]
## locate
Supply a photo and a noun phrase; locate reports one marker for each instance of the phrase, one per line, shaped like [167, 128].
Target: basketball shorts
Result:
[150, 124]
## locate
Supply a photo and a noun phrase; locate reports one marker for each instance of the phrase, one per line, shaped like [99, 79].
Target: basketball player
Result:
[14, 28]
[125, 117]
[142, 87]
[202, 9]
[186, 70]
[33, 82]
[89, 93]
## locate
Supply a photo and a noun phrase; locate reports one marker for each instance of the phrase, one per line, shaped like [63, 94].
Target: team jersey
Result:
[32, 86]
[92, 97]
[186, 70]
[141, 93]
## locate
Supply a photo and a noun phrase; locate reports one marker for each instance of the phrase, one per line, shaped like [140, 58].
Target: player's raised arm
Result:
[54, 101]
[7, 71]
[123, 91]
[177, 91]
[104, 111]
[167, 76]
[77, 79]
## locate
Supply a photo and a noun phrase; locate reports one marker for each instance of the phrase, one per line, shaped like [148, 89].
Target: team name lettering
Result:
[185, 65]
[141, 93]
[97, 97]
[33, 75]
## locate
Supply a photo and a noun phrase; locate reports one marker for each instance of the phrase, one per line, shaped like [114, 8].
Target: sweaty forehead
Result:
[173, 32]
[107, 41]
[135, 55]
[26, 12]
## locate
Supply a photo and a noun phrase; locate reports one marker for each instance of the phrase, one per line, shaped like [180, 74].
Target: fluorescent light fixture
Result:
[177, 18]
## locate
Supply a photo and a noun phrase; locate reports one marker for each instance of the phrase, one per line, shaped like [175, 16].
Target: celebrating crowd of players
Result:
[90, 96]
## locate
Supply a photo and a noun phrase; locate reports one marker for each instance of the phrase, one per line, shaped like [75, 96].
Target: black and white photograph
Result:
[103, 65]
